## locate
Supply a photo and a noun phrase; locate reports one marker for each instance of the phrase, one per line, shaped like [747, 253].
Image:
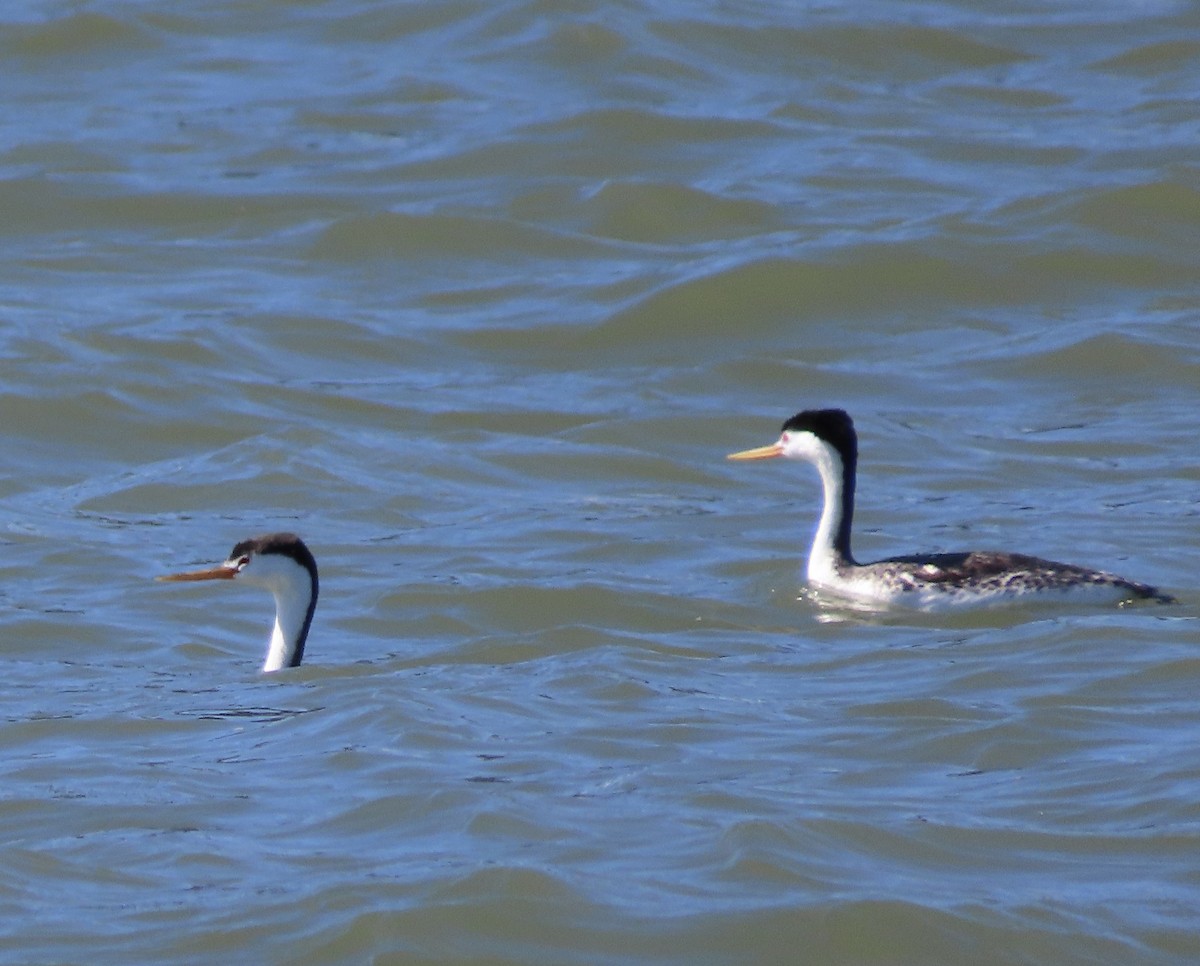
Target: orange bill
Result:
[762, 453]
[223, 572]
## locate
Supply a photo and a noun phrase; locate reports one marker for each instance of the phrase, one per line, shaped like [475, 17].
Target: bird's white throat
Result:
[291, 586]
[824, 558]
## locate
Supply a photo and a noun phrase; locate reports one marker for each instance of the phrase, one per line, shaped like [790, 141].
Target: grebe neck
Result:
[830, 551]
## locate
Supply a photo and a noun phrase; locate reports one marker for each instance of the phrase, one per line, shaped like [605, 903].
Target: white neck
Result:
[284, 636]
[291, 586]
[824, 559]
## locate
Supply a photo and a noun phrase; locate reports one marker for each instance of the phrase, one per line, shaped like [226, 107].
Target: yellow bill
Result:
[761, 453]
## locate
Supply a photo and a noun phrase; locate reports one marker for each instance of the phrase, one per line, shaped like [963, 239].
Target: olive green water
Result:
[476, 297]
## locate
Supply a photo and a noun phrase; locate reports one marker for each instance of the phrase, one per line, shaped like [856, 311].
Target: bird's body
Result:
[826, 438]
[282, 564]
[978, 578]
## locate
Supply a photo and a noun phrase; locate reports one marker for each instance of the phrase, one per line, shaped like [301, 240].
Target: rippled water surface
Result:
[476, 297]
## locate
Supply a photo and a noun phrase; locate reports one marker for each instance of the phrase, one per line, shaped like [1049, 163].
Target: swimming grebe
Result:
[826, 438]
[282, 564]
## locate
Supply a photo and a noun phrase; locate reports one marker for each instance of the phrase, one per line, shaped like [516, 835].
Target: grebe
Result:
[282, 564]
[826, 438]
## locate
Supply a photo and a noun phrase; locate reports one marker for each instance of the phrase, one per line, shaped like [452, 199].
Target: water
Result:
[477, 297]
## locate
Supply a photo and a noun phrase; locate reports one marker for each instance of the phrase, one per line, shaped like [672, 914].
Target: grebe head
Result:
[825, 438]
[808, 436]
[283, 565]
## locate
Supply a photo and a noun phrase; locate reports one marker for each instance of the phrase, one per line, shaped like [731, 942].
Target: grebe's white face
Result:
[275, 572]
[802, 445]
[792, 444]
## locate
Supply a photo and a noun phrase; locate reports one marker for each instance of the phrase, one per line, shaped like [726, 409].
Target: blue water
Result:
[476, 298]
